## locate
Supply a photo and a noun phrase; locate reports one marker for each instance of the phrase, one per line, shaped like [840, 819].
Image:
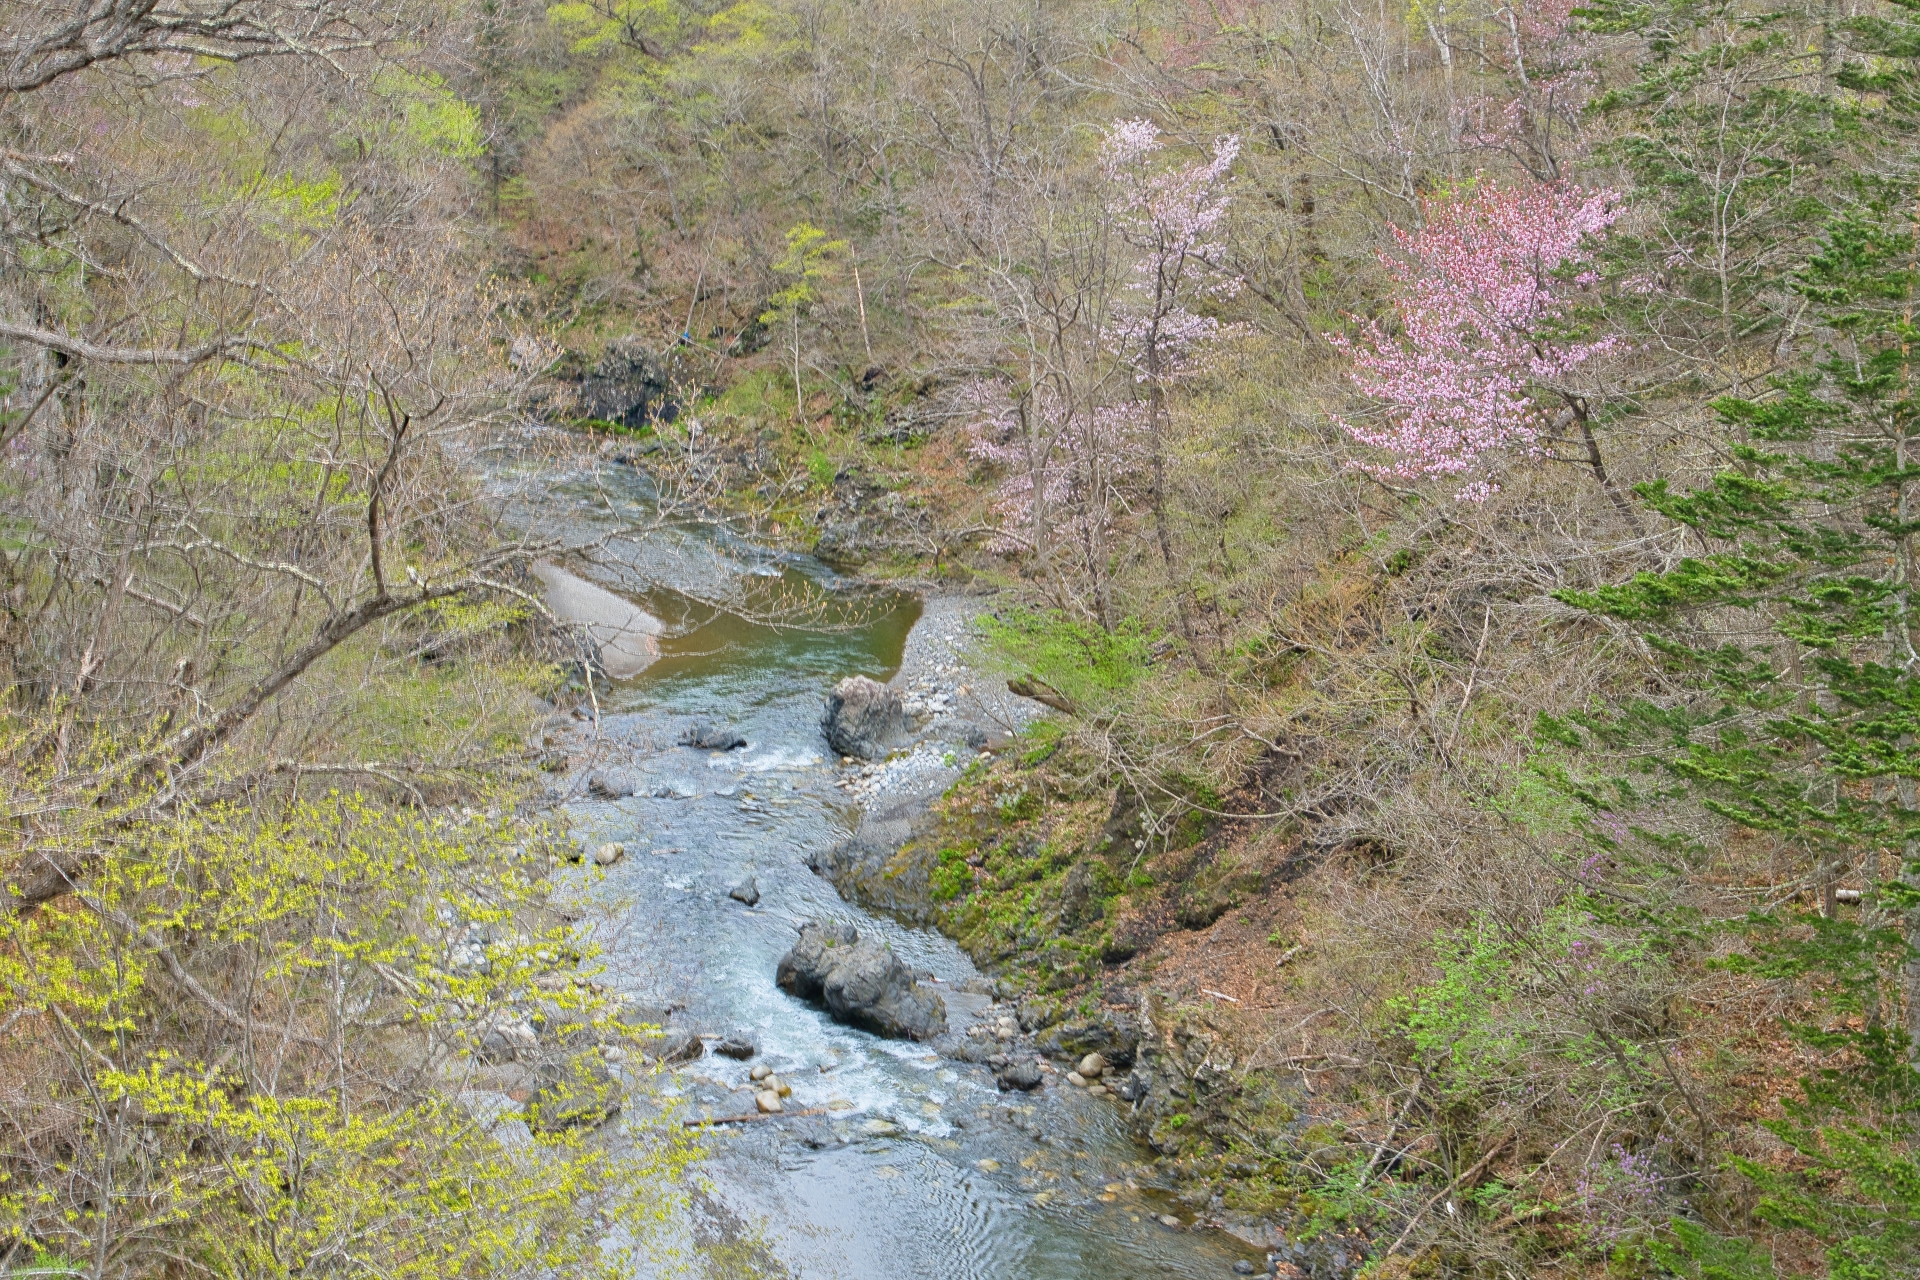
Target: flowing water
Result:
[915, 1166]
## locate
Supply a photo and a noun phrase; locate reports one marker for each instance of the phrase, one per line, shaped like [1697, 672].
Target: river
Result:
[916, 1166]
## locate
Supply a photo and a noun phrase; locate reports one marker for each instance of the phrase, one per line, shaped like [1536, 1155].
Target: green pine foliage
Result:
[1783, 684]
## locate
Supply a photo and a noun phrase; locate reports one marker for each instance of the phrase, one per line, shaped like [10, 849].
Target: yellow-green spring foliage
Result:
[247, 1047]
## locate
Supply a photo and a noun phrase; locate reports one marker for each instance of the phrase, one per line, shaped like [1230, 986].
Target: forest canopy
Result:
[1444, 468]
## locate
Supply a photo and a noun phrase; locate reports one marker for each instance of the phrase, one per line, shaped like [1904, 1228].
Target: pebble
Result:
[608, 854]
[1097, 1091]
[1093, 1066]
[760, 1073]
[1077, 1080]
[1168, 1220]
[768, 1101]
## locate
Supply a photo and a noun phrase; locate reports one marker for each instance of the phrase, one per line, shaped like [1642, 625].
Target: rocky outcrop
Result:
[861, 982]
[1111, 1034]
[630, 385]
[864, 718]
[881, 867]
[1078, 901]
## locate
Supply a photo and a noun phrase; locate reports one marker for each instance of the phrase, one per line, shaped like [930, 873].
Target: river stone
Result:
[612, 784]
[760, 1073]
[739, 1046]
[747, 891]
[768, 1101]
[675, 1045]
[1077, 1080]
[608, 854]
[573, 1092]
[861, 982]
[1093, 1066]
[864, 718]
[509, 1042]
[712, 737]
[1023, 1075]
[1242, 1267]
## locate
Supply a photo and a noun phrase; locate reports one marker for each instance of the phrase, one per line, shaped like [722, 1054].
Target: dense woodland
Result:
[1447, 467]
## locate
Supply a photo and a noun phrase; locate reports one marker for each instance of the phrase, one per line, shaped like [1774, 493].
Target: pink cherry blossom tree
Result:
[1482, 361]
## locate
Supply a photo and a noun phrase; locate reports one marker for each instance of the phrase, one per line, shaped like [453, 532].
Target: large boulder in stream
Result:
[864, 718]
[861, 982]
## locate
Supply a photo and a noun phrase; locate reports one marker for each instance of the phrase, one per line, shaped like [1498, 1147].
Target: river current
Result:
[913, 1165]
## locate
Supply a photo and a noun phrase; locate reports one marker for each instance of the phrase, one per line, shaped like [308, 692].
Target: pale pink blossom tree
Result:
[1170, 218]
[1080, 440]
[1055, 471]
[1481, 363]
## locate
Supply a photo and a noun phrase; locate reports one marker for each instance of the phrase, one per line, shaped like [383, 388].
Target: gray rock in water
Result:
[675, 1045]
[747, 891]
[612, 784]
[1023, 1075]
[713, 737]
[864, 718]
[861, 982]
[739, 1046]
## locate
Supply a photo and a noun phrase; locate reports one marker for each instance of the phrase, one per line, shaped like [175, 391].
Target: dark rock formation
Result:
[1022, 1074]
[712, 737]
[864, 718]
[630, 385]
[861, 982]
